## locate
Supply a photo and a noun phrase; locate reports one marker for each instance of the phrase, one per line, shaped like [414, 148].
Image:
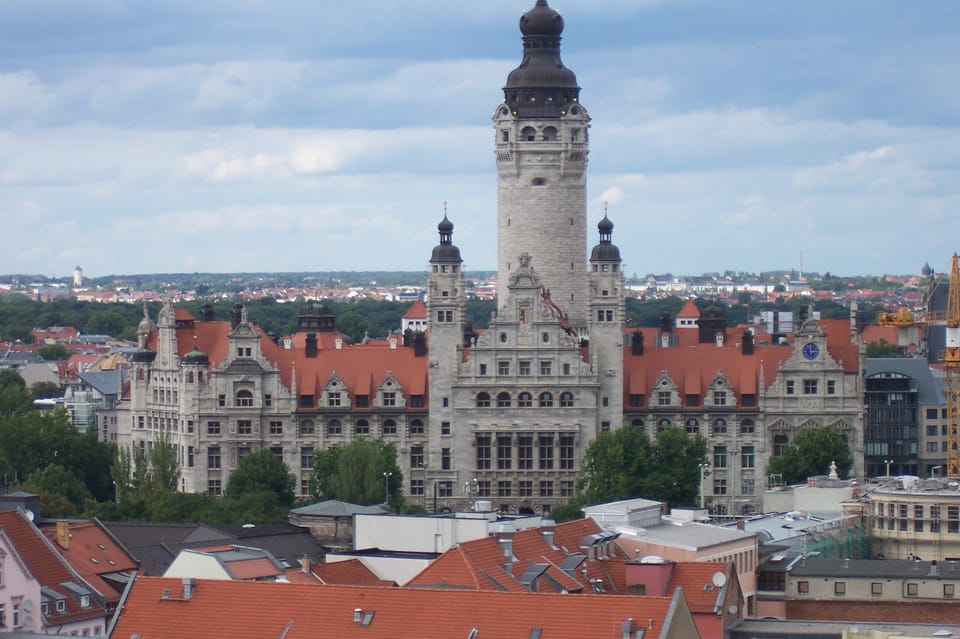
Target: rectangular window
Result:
[566, 452]
[524, 367]
[390, 399]
[416, 487]
[362, 401]
[445, 459]
[931, 430]
[913, 589]
[213, 457]
[268, 399]
[504, 452]
[277, 452]
[276, 428]
[483, 488]
[566, 369]
[306, 457]
[189, 456]
[504, 488]
[953, 519]
[839, 588]
[546, 367]
[747, 457]
[306, 401]
[719, 456]
[416, 456]
[636, 401]
[214, 487]
[446, 402]
[748, 399]
[809, 387]
[693, 400]
[483, 452]
[445, 489]
[932, 447]
[417, 401]
[333, 399]
[749, 486]
[221, 400]
[483, 369]
[831, 387]
[789, 387]
[663, 398]
[546, 452]
[242, 452]
[719, 486]
[525, 452]
[244, 427]
[566, 488]
[444, 428]
[213, 428]
[546, 488]
[503, 368]
[948, 591]
[525, 488]
[876, 588]
[918, 518]
[932, 414]
[719, 398]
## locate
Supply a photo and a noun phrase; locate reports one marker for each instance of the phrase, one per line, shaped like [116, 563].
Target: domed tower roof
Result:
[605, 251]
[926, 271]
[196, 357]
[541, 86]
[446, 251]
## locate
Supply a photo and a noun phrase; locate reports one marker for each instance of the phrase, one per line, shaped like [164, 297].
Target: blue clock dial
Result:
[811, 351]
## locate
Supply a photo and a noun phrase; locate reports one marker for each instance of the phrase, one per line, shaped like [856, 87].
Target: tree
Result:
[623, 463]
[61, 493]
[810, 453]
[262, 471]
[53, 352]
[881, 348]
[359, 473]
[45, 390]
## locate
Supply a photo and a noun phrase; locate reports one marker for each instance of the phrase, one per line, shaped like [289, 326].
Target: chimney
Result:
[503, 531]
[419, 344]
[666, 322]
[747, 348]
[719, 339]
[310, 348]
[636, 343]
[626, 628]
[547, 527]
[188, 584]
[206, 313]
[305, 564]
[63, 534]
[393, 343]
[338, 343]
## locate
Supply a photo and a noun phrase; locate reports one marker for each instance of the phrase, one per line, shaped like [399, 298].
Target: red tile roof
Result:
[349, 572]
[417, 310]
[49, 568]
[92, 552]
[237, 609]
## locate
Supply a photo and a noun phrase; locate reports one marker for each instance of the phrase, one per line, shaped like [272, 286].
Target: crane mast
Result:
[952, 370]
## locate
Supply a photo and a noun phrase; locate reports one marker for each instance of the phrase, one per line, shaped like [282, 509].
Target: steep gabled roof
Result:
[417, 310]
[158, 608]
[93, 552]
[350, 572]
[51, 571]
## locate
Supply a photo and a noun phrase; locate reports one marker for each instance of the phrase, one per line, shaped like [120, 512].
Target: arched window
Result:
[719, 426]
[546, 400]
[190, 377]
[483, 400]
[306, 427]
[524, 400]
[244, 398]
[693, 426]
[416, 427]
[334, 427]
[566, 400]
[503, 400]
[664, 423]
[528, 133]
[747, 426]
[389, 427]
[550, 133]
[362, 427]
[779, 444]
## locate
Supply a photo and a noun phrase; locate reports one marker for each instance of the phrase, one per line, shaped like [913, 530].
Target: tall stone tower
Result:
[541, 149]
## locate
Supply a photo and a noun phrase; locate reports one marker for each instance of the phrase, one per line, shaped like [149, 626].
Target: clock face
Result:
[811, 350]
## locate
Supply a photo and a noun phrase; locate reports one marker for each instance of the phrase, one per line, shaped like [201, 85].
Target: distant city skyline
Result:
[172, 136]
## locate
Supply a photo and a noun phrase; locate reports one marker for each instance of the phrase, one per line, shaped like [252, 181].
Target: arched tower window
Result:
[550, 133]
[546, 400]
[528, 133]
[566, 399]
[362, 427]
[503, 400]
[524, 400]
[483, 400]
[244, 398]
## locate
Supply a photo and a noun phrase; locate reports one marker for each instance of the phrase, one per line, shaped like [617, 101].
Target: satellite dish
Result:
[30, 515]
[28, 605]
[719, 579]
[28, 621]
[732, 609]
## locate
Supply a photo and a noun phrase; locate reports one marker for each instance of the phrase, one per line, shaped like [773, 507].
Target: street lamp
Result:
[888, 462]
[704, 471]
[386, 488]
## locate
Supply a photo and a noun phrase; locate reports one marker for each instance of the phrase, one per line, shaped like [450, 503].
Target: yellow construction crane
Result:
[951, 368]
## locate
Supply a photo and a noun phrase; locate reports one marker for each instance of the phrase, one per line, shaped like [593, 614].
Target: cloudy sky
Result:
[141, 136]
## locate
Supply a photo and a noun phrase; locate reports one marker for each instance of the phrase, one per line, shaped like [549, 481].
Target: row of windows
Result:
[524, 368]
[525, 400]
[747, 487]
[717, 427]
[903, 517]
[523, 447]
[244, 399]
[747, 456]
[811, 387]
[876, 589]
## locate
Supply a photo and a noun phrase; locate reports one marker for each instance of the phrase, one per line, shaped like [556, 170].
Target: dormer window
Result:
[61, 605]
[85, 601]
